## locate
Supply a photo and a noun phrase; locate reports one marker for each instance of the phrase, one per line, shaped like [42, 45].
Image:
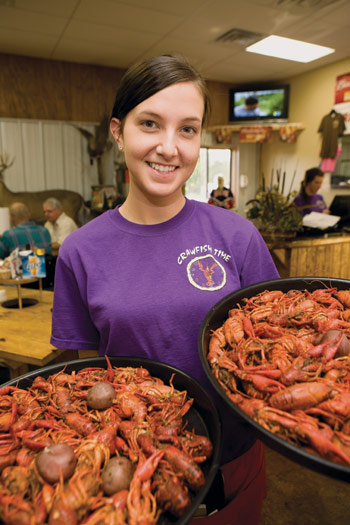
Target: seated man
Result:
[58, 223]
[23, 232]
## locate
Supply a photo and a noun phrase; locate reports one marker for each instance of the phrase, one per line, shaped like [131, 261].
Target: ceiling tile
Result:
[249, 66]
[316, 33]
[126, 16]
[196, 53]
[26, 43]
[80, 30]
[91, 53]
[23, 20]
[339, 16]
[246, 15]
[64, 8]
[180, 7]
[303, 7]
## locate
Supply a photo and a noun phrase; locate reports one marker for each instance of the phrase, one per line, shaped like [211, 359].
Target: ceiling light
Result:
[289, 49]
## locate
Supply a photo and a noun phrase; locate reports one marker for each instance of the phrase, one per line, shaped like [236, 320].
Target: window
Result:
[212, 163]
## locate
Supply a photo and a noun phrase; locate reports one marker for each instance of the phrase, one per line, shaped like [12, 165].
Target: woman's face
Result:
[161, 139]
[314, 185]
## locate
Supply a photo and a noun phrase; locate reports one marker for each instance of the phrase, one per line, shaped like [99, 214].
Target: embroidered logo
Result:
[206, 273]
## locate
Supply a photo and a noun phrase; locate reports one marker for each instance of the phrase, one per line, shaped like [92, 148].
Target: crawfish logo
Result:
[206, 273]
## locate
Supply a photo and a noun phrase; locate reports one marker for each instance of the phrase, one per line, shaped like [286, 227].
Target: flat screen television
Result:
[266, 103]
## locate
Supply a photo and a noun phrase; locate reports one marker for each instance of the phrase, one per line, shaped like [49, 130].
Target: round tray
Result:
[202, 416]
[215, 318]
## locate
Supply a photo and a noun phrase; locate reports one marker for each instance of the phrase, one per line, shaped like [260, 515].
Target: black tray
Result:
[215, 318]
[202, 416]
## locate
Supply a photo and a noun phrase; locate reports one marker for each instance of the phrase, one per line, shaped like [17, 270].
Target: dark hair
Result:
[309, 176]
[251, 101]
[146, 78]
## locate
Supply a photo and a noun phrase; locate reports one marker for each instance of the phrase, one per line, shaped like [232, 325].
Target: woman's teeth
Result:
[162, 169]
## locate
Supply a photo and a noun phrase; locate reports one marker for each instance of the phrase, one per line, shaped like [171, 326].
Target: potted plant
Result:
[274, 214]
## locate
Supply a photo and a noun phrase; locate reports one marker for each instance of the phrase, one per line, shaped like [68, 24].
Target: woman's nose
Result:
[167, 146]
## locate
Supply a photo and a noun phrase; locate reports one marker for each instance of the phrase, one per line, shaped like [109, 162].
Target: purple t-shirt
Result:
[315, 203]
[144, 290]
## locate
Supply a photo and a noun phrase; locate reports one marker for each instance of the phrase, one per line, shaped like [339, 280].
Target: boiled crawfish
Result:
[284, 359]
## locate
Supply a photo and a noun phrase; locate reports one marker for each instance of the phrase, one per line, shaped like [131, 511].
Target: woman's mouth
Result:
[162, 168]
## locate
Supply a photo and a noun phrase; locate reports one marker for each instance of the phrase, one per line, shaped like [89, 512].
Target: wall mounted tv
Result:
[259, 103]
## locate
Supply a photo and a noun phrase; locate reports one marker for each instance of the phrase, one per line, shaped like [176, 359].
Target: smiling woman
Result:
[161, 142]
[139, 279]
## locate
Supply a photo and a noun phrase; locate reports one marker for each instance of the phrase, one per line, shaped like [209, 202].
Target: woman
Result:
[308, 199]
[222, 196]
[134, 281]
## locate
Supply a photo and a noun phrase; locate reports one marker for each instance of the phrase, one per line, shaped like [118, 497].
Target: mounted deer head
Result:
[4, 164]
[98, 144]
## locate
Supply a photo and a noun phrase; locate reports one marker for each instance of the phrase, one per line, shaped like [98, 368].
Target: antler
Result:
[5, 163]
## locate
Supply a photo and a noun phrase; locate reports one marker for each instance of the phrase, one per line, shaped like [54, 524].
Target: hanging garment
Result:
[328, 165]
[332, 126]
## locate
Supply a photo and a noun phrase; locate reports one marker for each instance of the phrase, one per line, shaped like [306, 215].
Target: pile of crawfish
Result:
[142, 424]
[284, 360]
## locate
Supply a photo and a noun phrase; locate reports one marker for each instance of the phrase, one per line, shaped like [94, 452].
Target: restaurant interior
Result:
[61, 63]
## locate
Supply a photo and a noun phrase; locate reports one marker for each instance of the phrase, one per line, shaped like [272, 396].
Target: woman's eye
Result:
[148, 124]
[189, 130]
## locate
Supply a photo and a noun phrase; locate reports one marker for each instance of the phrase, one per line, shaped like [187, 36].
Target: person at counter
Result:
[139, 279]
[308, 199]
[23, 232]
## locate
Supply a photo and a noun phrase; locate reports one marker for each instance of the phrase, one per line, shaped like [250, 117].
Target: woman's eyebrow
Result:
[153, 114]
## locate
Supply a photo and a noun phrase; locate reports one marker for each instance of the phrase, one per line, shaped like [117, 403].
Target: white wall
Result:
[50, 155]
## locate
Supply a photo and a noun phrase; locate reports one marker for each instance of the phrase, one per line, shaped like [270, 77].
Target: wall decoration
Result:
[288, 133]
[223, 136]
[342, 99]
[255, 134]
[98, 144]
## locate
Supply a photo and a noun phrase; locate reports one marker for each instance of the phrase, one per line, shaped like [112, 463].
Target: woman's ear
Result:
[115, 127]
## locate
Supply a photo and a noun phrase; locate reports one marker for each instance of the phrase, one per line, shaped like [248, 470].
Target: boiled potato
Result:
[117, 475]
[56, 458]
[100, 396]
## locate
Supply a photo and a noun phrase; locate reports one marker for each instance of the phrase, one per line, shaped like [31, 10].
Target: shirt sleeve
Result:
[258, 264]
[72, 326]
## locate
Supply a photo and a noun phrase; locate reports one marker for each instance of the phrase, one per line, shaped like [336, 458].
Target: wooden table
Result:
[25, 333]
[319, 257]
[19, 282]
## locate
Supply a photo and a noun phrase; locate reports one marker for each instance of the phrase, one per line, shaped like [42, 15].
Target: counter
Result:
[326, 256]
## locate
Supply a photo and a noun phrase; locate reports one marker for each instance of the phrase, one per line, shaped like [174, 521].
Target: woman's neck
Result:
[151, 211]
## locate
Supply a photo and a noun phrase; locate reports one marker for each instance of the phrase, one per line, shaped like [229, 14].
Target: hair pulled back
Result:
[146, 78]
[309, 176]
